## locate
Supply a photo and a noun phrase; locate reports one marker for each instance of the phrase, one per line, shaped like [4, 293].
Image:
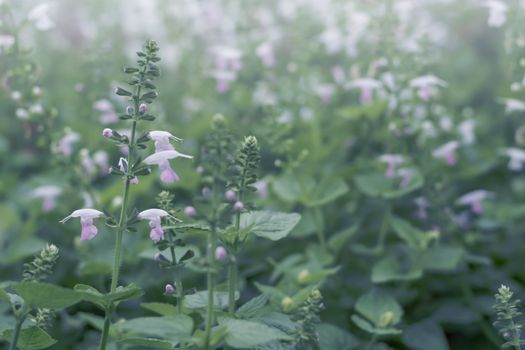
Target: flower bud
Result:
[190, 211]
[287, 304]
[238, 206]
[134, 181]
[130, 110]
[143, 108]
[169, 289]
[157, 257]
[220, 253]
[107, 133]
[230, 195]
[206, 192]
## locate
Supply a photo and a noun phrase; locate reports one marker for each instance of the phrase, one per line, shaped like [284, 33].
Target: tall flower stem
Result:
[16, 333]
[122, 218]
[210, 310]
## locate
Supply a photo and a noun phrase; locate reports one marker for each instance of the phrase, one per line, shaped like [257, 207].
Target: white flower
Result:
[447, 152]
[367, 87]
[39, 15]
[6, 41]
[392, 161]
[162, 140]
[513, 105]
[89, 230]
[48, 193]
[167, 174]
[474, 199]
[466, 129]
[517, 158]
[426, 86]
[497, 13]
[154, 216]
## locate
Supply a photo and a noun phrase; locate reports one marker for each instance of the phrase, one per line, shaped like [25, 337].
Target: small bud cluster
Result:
[42, 265]
[307, 316]
[507, 311]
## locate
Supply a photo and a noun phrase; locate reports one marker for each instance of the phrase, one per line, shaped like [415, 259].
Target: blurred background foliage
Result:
[328, 87]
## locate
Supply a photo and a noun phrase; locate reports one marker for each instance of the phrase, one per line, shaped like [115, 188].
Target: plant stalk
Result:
[16, 334]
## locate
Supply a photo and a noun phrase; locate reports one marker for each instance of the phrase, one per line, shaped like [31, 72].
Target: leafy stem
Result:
[16, 333]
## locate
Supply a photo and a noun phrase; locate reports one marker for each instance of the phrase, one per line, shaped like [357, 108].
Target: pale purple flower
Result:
[220, 253]
[266, 54]
[87, 163]
[154, 216]
[474, 200]
[422, 207]
[143, 108]
[190, 211]
[22, 114]
[238, 206]
[513, 105]
[427, 85]
[107, 132]
[262, 189]
[101, 159]
[497, 13]
[167, 174]
[367, 87]
[325, 92]
[447, 152]
[392, 161]
[89, 230]
[108, 114]
[466, 130]
[227, 58]
[66, 143]
[339, 75]
[169, 289]
[48, 194]
[517, 158]
[406, 175]
[223, 79]
[134, 181]
[162, 140]
[230, 195]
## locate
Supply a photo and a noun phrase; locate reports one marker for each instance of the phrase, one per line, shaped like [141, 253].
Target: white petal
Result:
[150, 214]
[159, 157]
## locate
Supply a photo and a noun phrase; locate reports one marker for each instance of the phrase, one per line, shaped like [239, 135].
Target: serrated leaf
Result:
[172, 328]
[45, 295]
[250, 309]
[163, 309]
[199, 300]
[243, 334]
[31, 338]
[334, 338]
[267, 224]
[425, 335]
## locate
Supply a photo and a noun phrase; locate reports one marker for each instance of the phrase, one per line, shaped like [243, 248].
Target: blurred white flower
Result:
[266, 54]
[39, 16]
[517, 158]
[427, 85]
[367, 87]
[108, 114]
[48, 194]
[466, 130]
[325, 92]
[66, 143]
[227, 58]
[6, 41]
[474, 200]
[447, 152]
[497, 13]
[392, 161]
[513, 105]
[223, 79]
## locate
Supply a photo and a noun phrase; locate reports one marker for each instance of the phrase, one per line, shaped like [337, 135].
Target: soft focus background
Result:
[396, 127]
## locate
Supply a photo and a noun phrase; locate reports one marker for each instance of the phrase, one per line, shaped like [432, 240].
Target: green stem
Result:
[371, 342]
[232, 283]
[318, 218]
[210, 309]
[16, 334]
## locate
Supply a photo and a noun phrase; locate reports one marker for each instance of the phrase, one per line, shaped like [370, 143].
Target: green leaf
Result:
[271, 225]
[334, 338]
[128, 292]
[414, 237]
[390, 268]
[172, 328]
[375, 184]
[442, 258]
[92, 295]
[242, 334]
[148, 343]
[163, 309]
[328, 190]
[31, 338]
[45, 295]
[425, 335]
[338, 240]
[199, 300]
[380, 313]
[251, 308]
[292, 189]
[20, 249]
